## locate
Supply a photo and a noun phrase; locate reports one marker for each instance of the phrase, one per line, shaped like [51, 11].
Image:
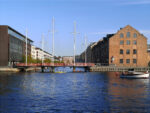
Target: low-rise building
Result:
[38, 53]
[67, 59]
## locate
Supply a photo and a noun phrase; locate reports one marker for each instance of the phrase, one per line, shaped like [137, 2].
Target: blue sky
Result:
[95, 18]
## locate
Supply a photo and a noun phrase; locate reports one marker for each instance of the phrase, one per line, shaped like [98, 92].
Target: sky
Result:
[94, 18]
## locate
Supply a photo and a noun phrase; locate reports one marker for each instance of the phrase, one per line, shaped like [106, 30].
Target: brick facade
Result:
[127, 47]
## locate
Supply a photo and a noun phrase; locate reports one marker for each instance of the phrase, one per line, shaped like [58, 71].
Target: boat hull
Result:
[135, 76]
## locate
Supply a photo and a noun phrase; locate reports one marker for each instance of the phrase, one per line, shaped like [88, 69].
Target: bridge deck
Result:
[55, 65]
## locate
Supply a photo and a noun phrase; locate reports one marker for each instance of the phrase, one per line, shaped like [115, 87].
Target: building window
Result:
[121, 35]
[121, 51]
[128, 61]
[121, 61]
[134, 42]
[134, 61]
[134, 51]
[121, 42]
[128, 42]
[134, 35]
[128, 34]
[128, 51]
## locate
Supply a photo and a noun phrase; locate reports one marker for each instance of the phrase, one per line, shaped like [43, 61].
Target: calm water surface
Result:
[72, 93]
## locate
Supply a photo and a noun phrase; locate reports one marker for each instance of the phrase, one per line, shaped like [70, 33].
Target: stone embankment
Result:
[9, 69]
[117, 69]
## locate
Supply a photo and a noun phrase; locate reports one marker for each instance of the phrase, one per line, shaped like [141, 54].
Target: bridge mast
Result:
[75, 34]
[85, 48]
[26, 47]
[53, 34]
[42, 49]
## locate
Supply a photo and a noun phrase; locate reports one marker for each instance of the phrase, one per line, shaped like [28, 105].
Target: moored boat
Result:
[135, 75]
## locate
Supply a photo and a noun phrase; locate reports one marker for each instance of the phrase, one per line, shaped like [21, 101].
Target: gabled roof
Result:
[129, 26]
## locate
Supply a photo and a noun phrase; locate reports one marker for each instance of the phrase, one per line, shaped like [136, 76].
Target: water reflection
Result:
[72, 92]
[128, 94]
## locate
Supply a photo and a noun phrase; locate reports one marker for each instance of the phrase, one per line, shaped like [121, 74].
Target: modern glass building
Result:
[12, 45]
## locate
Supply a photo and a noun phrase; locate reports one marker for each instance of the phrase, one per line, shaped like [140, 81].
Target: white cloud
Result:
[145, 32]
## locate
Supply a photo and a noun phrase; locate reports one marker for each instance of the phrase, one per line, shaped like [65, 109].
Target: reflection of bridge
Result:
[53, 65]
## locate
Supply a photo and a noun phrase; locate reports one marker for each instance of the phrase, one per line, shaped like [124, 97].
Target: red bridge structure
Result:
[53, 65]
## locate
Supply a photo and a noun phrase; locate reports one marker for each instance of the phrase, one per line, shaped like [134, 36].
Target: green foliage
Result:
[31, 60]
[38, 61]
[47, 61]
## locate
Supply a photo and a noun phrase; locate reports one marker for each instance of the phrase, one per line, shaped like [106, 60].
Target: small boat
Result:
[60, 72]
[133, 74]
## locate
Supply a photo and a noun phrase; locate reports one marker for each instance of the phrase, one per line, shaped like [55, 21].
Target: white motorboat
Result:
[133, 74]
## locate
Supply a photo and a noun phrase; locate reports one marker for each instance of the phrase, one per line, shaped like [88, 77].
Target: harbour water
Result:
[89, 92]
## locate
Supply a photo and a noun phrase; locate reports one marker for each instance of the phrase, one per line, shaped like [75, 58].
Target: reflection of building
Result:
[67, 59]
[127, 47]
[38, 53]
[12, 45]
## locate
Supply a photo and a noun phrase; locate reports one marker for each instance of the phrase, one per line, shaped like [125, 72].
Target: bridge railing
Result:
[54, 64]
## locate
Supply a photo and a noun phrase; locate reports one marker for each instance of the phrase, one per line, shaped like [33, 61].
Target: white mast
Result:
[53, 33]
[42, 49]
[85, 49]
[26, 47]
[75, 34]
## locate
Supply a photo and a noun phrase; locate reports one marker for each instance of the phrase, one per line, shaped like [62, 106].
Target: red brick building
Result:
[127, 47]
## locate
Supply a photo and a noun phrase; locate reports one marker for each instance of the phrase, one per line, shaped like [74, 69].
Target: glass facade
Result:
[16, 45]
[15, 49]
[14, 34]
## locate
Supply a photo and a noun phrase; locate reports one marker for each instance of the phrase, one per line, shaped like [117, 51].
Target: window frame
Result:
[134, 60]
[135, 35]
[121, 35]
[128, 34]
[128, 42]
[121, 51]
[134, 42]
[121, 42]
[121, 61]
[127, 61]
[128, 51]
[134, 51]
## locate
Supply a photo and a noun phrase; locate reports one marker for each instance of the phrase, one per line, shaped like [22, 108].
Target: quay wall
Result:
[117, 69]
[9, 69]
